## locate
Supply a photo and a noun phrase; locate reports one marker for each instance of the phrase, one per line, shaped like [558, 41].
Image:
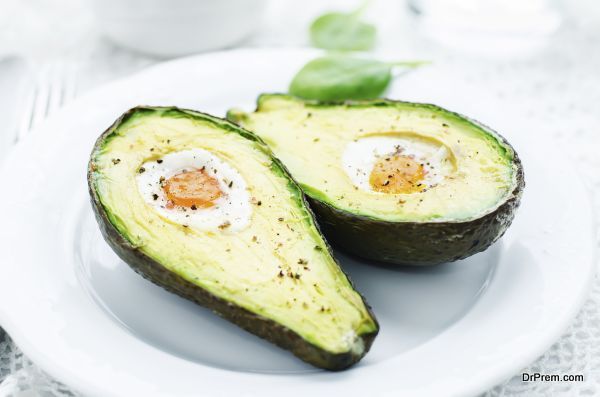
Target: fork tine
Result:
[40, 108]
[69, 84]
[27, 106]
[55, 87]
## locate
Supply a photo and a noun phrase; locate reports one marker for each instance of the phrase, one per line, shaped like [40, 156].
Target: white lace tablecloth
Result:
[557, 88]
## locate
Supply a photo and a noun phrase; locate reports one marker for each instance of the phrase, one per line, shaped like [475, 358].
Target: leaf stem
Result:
[361, 8]
[409, 64]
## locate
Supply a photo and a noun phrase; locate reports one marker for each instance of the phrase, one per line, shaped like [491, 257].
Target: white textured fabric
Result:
[19, 377]
[558, 89]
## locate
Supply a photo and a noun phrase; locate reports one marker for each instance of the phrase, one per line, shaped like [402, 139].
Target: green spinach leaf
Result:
[343, 31]
[341, 77]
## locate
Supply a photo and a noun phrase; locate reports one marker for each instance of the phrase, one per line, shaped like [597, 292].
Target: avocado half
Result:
[274, 276]
[455, 196]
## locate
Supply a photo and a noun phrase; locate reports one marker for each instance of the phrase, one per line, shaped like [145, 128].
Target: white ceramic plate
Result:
[455, 329]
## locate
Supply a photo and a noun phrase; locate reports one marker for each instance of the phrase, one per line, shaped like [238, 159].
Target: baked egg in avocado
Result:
[200, 207]
[398, 182]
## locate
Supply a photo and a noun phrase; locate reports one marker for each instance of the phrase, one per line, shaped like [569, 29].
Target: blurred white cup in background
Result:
[497, 28]
[170, 28]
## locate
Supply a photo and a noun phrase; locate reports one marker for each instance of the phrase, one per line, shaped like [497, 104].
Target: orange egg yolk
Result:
[397, 174]
[193, 189]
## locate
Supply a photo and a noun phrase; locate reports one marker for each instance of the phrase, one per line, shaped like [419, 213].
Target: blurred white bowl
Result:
[170, 28]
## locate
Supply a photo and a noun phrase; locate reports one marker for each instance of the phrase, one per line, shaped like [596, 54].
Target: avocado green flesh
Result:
[310, 139]
[279, 267]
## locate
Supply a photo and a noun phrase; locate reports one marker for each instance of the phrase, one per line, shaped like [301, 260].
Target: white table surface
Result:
[558, 87]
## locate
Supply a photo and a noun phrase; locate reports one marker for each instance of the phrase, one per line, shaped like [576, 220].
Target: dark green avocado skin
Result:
[412, 243]
[251, 322]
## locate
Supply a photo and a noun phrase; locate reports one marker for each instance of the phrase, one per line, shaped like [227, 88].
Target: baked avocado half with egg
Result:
[397, 182]
[200, 207]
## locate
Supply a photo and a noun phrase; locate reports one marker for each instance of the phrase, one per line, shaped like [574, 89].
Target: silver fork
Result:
[53, 85]
[48, 88]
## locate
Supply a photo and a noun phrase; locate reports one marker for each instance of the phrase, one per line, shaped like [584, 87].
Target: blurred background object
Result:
[492, 27]
[42, 29]
[169, 28]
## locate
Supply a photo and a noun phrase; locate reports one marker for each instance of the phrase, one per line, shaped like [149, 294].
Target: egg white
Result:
[230, 213]
[360, 157]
